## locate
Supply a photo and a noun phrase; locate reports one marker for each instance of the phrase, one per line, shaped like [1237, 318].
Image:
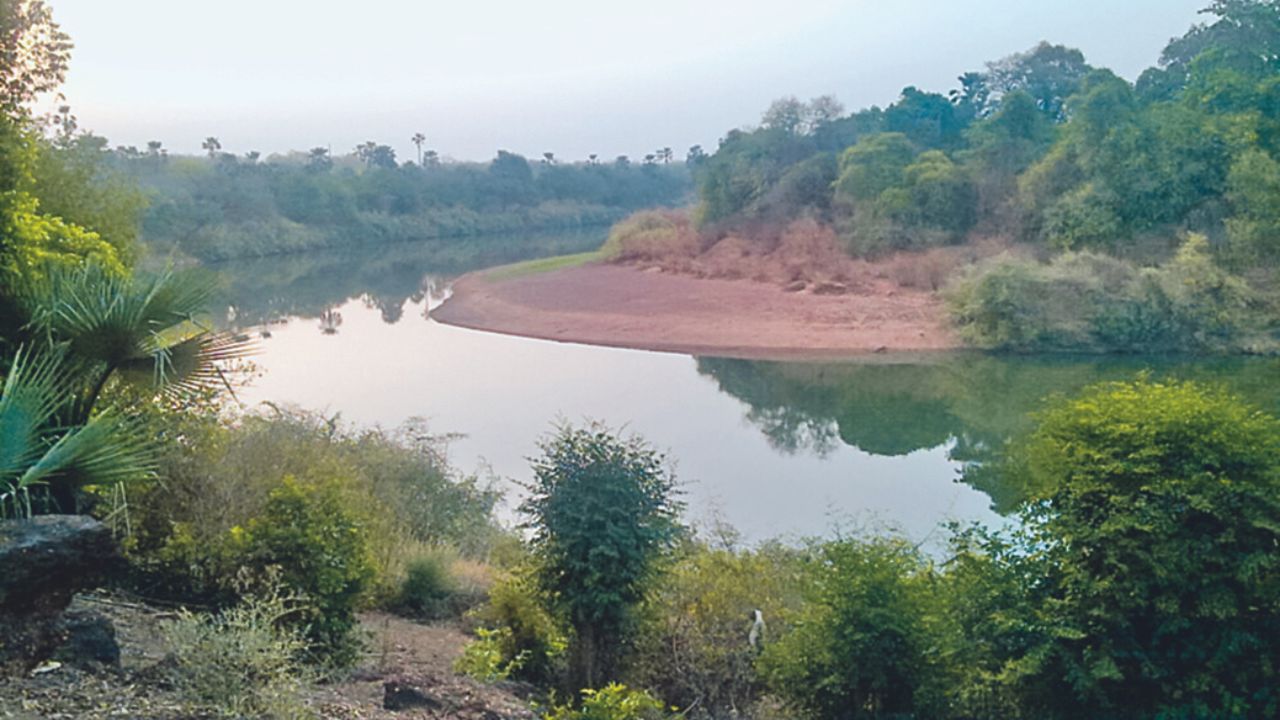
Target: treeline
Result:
[225, 206]
[1039, 146]
[1043, 149]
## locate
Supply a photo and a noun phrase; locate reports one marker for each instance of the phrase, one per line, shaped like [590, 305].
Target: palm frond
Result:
[29, 402]
[108, 449]
[113, 319]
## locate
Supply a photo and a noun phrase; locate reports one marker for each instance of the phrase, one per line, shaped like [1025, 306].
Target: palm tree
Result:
[212, 145]
[418, 139]
[593, 159]
[665, 155]
[548, 158]
[97, 326]
[41, 456]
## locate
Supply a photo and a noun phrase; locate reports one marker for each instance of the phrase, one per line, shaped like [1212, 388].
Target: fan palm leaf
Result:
[144, 327]
[37, 452]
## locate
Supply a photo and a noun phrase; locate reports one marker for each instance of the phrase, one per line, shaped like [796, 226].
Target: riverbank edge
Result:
[474, 295]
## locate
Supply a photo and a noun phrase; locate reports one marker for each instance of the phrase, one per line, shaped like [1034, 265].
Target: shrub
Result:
[858, 647]
[427, 587]
[602, 513]
[320, 550]
[529, 641]
[1155, 512]
[1089, 302]
[488, 658]
[242, 662]
[694, 649]
[612, 702]
[652, 235]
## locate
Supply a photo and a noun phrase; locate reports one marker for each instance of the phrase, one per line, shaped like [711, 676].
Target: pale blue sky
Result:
[570, 76]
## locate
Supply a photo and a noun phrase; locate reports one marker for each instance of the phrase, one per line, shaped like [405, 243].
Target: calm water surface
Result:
[773, 449]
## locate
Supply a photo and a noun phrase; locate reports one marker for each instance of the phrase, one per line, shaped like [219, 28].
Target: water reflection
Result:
[775, 448]
[970, 403]
[262, 291]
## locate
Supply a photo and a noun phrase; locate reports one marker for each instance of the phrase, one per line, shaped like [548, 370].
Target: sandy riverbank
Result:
[624, 306]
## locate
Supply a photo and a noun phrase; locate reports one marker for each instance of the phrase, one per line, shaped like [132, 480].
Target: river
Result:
[773, 450]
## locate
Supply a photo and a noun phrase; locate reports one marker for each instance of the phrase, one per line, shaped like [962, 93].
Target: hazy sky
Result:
[570, 76]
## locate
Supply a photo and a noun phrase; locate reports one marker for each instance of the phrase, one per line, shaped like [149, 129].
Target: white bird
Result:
[757, 628]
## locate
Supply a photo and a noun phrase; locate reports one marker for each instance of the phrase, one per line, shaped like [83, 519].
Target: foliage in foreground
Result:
[603, 512]
[612, 702]
[339, 515]
[242, 662]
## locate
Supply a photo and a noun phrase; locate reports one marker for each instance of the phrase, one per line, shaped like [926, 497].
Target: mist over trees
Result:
[224, 205]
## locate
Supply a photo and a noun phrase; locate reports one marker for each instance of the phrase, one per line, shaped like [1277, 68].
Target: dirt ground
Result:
[648, 308]
[398, 649]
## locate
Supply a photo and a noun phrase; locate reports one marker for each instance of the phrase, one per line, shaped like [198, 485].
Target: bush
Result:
[242, 662]
[1089, 302]
[652, 235]
[528, 641]
[220, 475]
[694, 649]
[858, 648]
[1155, 514]
[427, 587]
[488, 658]
[603, 514]
[612, 702]
[320, 550]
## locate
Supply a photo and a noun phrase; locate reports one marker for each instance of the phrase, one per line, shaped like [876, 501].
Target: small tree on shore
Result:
[602, 511]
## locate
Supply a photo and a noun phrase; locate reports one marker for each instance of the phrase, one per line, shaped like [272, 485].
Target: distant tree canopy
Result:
[1040, 146]
[224, 206]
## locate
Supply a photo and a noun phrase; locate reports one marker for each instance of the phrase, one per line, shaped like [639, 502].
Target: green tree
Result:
[1156, 506]
[602, 513]
[858, 648]
[34, 54]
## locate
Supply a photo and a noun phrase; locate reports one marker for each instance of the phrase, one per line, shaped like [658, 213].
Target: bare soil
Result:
[416, 654]
[653, 308]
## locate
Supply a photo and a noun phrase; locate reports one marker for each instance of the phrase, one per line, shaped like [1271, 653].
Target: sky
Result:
[572, 77]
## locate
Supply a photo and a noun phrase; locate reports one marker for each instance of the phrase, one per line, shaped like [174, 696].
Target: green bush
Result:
[488, 658]
[1089, 302]
[319, 547]
[694, 649]
[612, 702]
[427, 587]
[242, 662]
[858, 648]
[603, 514]
[530, 642]
[1146, 583]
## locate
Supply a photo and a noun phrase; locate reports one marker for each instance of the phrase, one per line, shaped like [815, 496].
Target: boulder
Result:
[46, 561]
[405, 694]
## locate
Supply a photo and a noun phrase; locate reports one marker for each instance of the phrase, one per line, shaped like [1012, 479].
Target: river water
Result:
[785, 450]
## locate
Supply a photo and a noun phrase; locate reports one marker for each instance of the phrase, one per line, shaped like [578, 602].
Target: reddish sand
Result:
[624, 306]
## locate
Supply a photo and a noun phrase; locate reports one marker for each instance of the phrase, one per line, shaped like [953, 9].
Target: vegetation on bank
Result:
[1140, 580]
[1044, 150]
[225, 206]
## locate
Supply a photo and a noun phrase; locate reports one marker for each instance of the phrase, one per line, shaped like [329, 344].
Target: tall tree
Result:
[602, 513]
[417, 140]
[34, 54]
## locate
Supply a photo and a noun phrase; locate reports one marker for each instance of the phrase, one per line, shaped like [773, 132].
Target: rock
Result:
[830, 288]
[402, 694]
[796, 286]
[89, 639]
[46, 561]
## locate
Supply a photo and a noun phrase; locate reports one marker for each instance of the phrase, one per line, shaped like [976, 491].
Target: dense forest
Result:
[223, 206]
[1136, 575]
[1065, 160]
